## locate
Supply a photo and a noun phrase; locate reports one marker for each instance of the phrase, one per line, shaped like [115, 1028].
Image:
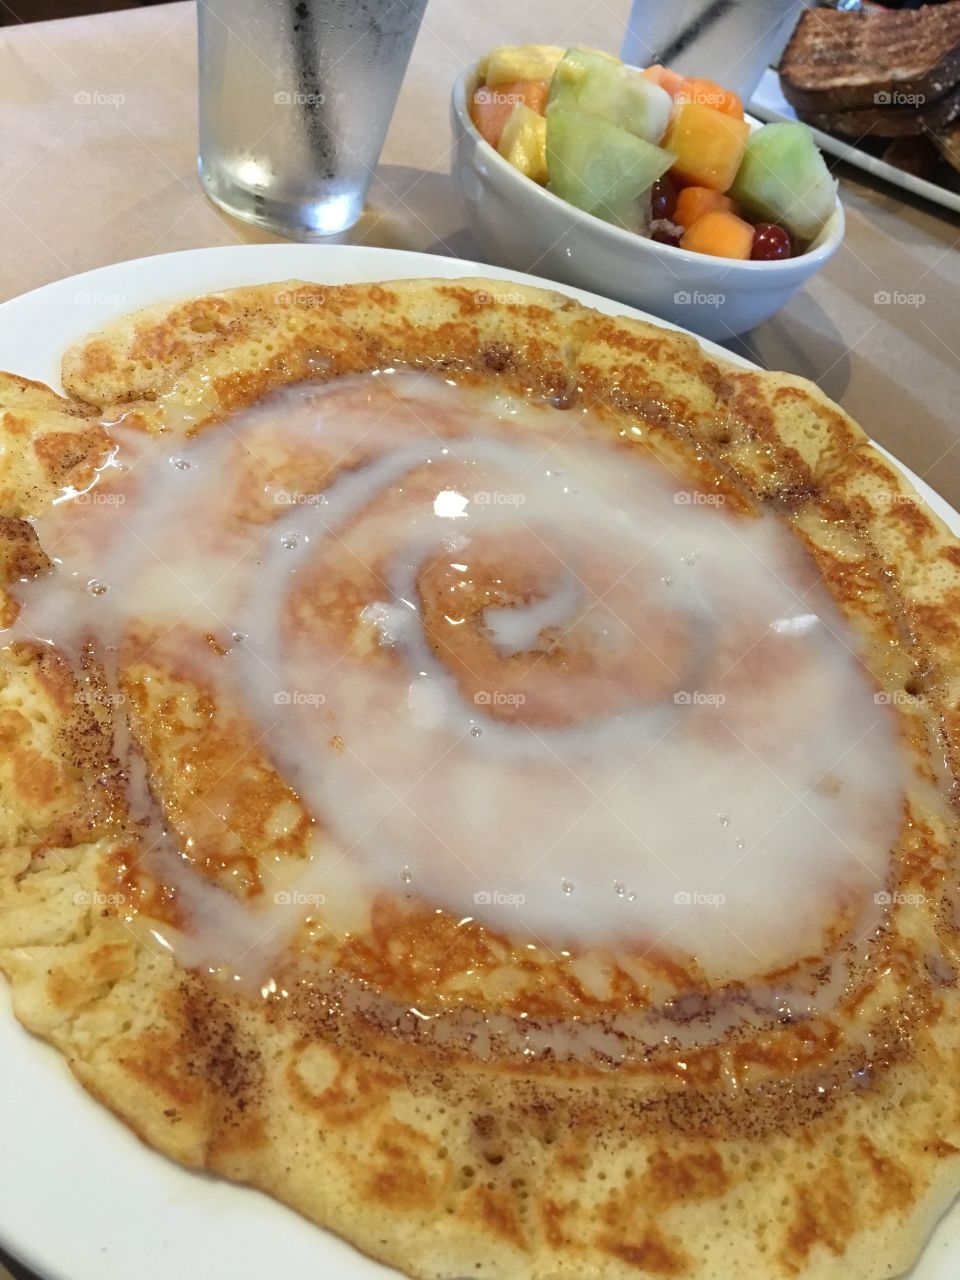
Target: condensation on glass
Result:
[295, 99]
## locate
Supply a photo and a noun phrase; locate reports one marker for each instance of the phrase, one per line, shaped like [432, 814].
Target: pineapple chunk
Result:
[524, 142]
[520, 62]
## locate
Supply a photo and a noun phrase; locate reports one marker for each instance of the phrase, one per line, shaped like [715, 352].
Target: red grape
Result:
[770, 242]
[663, 198]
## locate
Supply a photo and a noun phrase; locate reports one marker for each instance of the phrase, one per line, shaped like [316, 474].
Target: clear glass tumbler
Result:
[730, 41]
[295, 99]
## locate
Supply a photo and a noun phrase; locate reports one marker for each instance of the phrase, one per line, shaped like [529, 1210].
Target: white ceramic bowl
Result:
[519, 224]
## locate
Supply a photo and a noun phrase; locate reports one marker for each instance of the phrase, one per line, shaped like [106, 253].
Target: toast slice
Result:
[890, 121]
[948, 144]
[839, 61]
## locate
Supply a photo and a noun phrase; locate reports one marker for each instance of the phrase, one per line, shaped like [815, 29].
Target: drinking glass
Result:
[730, 41]
[295, 99]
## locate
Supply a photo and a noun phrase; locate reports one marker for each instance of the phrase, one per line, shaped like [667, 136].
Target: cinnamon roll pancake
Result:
[485, 773]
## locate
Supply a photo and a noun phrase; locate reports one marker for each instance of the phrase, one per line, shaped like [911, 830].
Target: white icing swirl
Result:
[514, 666]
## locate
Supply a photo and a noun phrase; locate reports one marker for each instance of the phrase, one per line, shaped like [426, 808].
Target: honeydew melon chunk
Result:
[783, 178]
[599, 167]
[600, 86]
[511, 62]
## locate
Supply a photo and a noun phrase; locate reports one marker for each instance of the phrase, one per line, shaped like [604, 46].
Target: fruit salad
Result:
[667, 156]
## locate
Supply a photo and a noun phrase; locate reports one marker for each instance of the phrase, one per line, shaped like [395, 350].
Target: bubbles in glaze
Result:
[510, 664]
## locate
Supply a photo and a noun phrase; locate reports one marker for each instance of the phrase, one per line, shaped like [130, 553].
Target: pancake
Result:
[484, 773]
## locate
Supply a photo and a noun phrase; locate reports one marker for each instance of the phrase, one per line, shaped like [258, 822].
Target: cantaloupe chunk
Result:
[490, 108]
[694, 202]
[708, 144]
[672, 81]
[535, 94]
[721, 234]
[710, 94]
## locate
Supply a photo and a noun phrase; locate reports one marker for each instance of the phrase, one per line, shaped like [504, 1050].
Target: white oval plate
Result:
[80, 1197]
